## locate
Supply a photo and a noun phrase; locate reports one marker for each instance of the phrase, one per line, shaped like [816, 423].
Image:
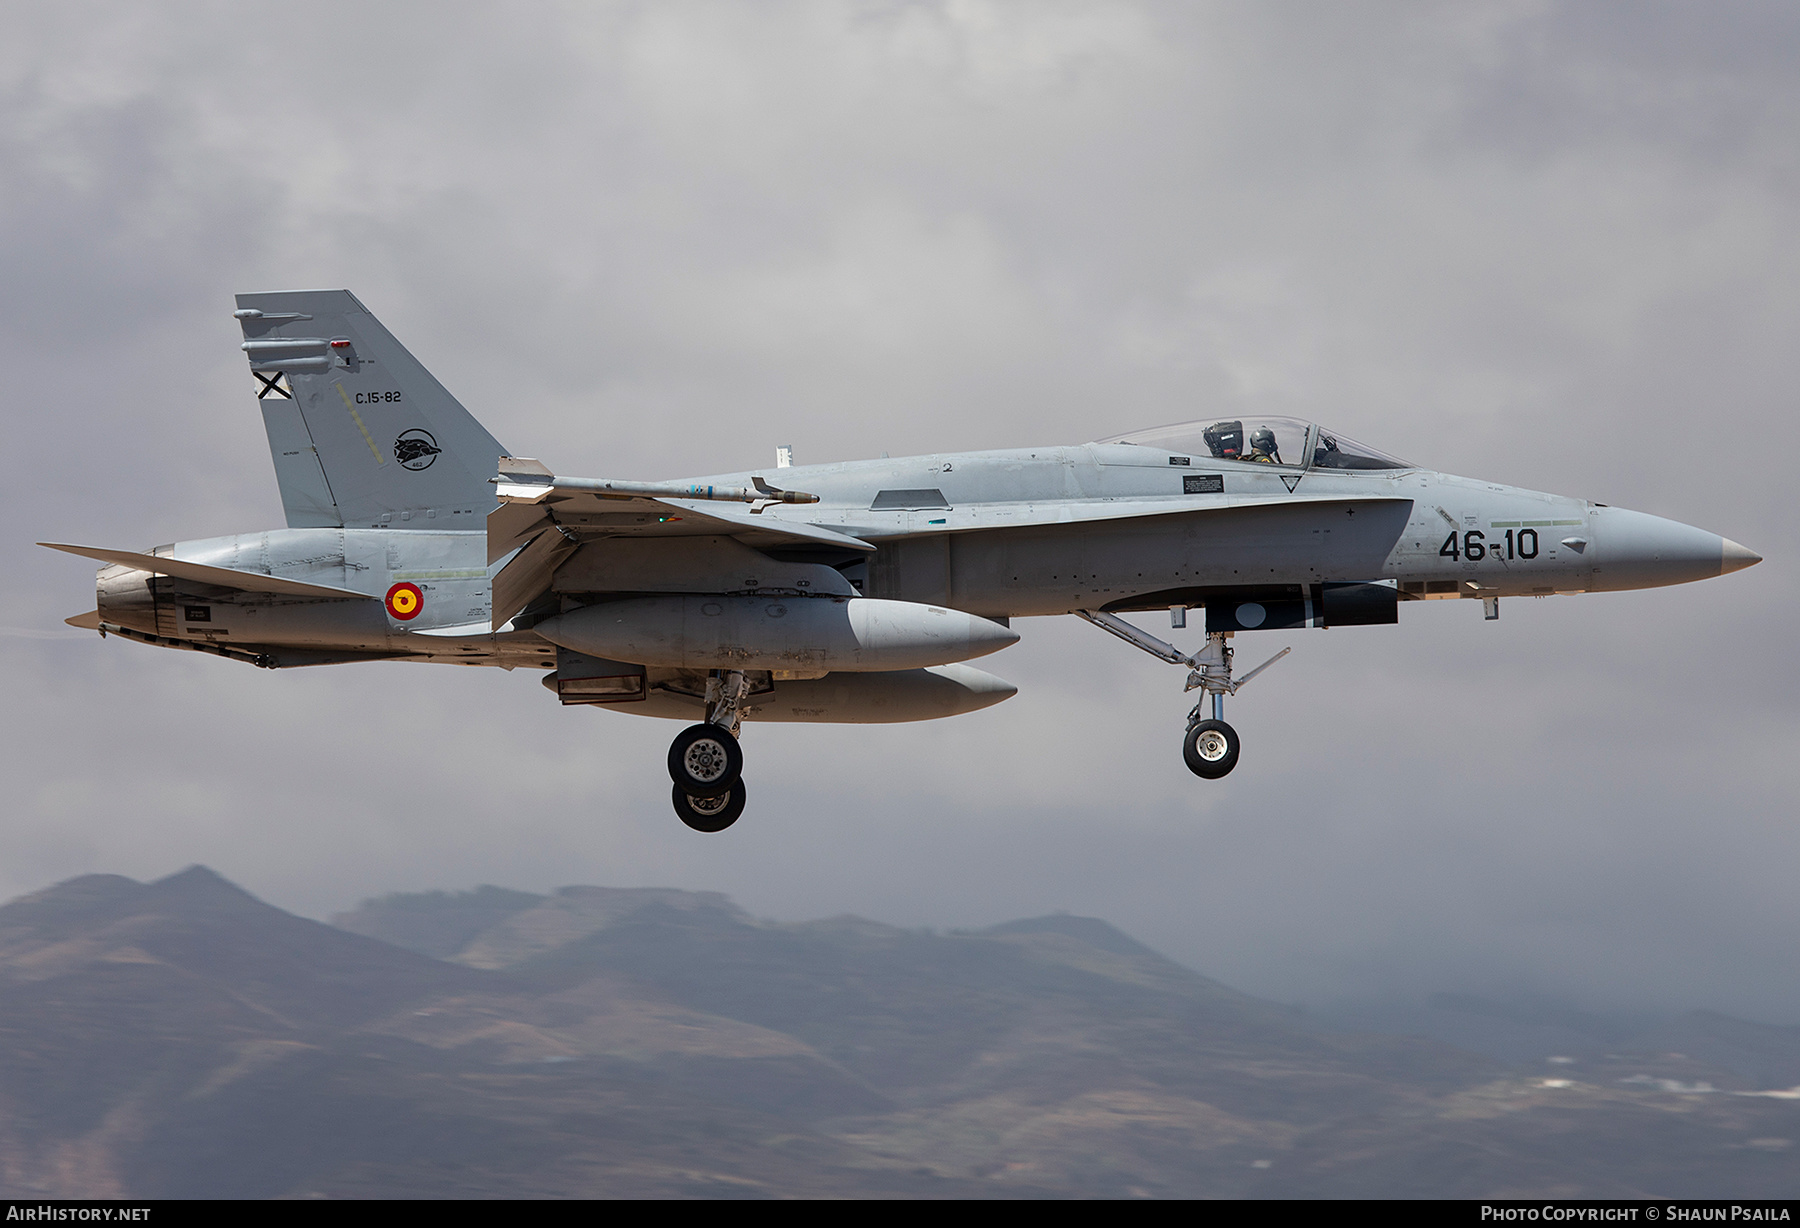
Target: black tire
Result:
[705, 761]
[711, 814]
[1211, 749]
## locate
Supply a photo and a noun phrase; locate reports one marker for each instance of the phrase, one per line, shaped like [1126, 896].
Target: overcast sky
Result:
[1552, 245]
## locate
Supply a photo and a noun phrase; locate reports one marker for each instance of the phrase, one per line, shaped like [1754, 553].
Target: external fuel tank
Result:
[849, 634]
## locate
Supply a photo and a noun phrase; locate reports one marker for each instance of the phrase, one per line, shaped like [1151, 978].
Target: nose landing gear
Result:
[1210, 747]
[705, 761]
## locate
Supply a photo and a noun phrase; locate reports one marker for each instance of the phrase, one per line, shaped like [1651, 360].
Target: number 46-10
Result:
[1473, 545]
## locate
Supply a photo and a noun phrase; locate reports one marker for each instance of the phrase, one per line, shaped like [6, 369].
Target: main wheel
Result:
[705, 761]
[1211, 749]
[711, 813]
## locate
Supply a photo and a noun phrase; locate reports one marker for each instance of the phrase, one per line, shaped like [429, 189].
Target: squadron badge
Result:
[416, 449]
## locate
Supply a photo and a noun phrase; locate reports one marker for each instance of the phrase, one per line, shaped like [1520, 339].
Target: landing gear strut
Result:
[1210, 746]
[705, 761]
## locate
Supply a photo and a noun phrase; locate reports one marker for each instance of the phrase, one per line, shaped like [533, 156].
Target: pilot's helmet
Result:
[1262, 439]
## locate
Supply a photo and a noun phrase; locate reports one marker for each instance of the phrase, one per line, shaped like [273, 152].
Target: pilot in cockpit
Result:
[1263, 447]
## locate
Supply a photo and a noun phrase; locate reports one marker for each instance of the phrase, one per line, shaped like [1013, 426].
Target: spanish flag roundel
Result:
[404, 601]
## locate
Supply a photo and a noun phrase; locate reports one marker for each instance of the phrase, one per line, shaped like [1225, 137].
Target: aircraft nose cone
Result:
[1637, 550]
[1736, 558]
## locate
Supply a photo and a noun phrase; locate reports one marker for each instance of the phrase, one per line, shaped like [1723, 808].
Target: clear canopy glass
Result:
[1334, 451]
[1288, 442]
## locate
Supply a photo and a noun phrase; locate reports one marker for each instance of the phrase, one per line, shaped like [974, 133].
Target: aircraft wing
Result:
[532, 500]
[200, 573]
[544, 518]
[513, 524]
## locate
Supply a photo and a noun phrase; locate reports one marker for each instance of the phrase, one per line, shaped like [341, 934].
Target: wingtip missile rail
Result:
[522, 480]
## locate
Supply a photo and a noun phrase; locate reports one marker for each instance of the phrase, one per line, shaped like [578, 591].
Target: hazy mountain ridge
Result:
[182, 1038]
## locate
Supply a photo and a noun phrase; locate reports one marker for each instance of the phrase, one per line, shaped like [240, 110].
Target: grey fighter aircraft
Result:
[852, 591]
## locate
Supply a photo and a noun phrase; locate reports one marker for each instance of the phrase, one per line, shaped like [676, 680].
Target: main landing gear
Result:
[1210, 746]
[705, 761]
[710, 813]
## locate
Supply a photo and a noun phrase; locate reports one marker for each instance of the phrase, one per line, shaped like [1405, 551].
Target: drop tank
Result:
[851, 634]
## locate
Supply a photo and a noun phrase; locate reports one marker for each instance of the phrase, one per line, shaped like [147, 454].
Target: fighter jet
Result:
[845, 592]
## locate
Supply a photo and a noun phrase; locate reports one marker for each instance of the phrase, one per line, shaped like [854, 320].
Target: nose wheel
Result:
[705, 761]
[1211, 749]
[1211, 746]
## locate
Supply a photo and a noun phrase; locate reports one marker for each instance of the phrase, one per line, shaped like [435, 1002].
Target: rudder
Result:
[361, 433]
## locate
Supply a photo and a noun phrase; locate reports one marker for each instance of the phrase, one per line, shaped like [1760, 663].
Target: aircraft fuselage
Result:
[974, 536]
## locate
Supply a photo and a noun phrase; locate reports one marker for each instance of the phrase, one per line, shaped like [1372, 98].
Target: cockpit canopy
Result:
[1287, 442]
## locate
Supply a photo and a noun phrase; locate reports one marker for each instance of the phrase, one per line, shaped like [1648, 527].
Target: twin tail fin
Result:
[362, 435]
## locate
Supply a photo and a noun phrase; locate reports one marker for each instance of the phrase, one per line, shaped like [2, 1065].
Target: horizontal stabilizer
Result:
[87, 622]
[200, 573]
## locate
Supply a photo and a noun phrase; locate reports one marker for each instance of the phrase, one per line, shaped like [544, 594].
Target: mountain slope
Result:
[182, 1039]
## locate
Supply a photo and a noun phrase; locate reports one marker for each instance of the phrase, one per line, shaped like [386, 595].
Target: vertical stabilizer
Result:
[361, 434]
